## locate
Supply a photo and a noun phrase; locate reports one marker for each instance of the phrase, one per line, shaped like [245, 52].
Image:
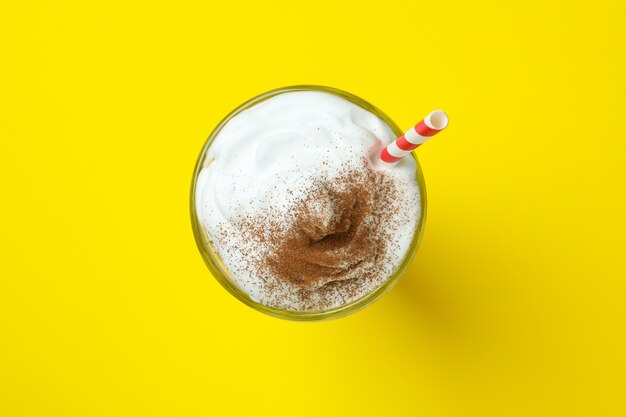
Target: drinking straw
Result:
[432, 124]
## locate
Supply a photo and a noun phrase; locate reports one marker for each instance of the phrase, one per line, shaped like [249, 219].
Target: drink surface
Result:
[295, 208]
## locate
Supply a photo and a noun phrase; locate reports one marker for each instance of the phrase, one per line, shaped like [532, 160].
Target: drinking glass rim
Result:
[219, 270]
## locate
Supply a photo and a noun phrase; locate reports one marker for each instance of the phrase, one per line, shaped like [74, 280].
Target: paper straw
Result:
[432, 124]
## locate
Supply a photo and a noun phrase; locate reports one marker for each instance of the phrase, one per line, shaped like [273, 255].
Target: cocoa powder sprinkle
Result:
[332, 248]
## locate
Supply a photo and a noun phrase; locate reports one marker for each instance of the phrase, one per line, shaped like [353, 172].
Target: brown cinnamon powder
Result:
[332, 248]
[333, 234]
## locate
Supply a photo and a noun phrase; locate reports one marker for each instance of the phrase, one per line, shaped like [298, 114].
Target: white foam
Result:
[267, 157]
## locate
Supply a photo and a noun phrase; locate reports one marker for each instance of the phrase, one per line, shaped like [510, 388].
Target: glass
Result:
[221, 273]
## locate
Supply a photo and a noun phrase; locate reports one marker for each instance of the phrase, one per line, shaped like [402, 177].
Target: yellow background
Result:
[514, 305]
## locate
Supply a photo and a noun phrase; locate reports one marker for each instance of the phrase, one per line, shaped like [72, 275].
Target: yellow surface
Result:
[514, 305]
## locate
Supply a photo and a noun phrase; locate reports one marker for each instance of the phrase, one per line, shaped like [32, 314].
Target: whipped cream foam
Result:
[260, 175]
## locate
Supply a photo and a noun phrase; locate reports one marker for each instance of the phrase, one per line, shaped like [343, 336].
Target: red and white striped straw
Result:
[432, 124]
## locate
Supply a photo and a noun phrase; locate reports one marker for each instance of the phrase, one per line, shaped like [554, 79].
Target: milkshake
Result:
[292, 208]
